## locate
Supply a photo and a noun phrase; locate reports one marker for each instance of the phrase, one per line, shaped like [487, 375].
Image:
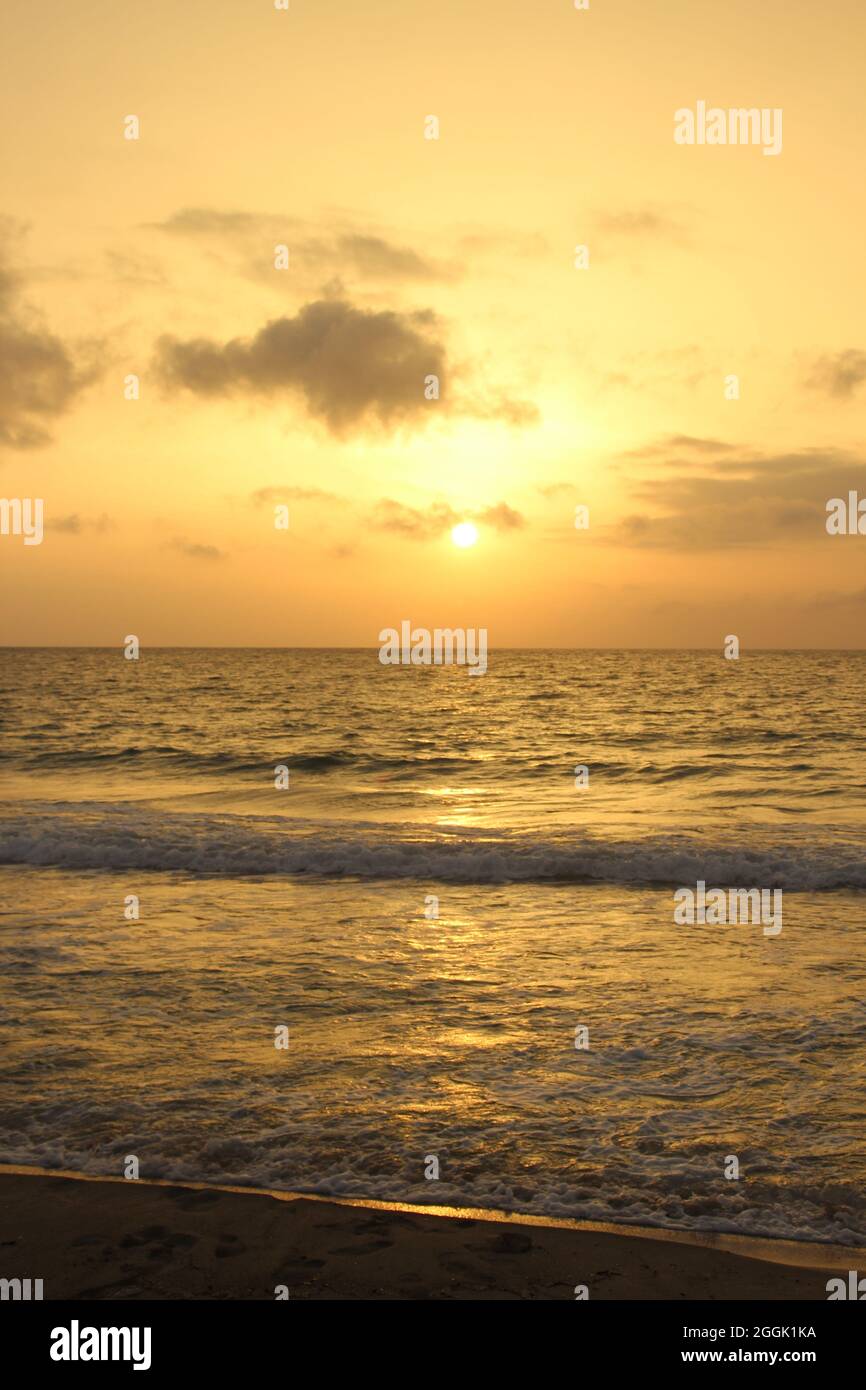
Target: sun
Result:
[464, 534]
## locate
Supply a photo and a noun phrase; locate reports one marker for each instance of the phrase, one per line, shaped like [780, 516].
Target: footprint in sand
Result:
[506, 1243]
[297, 1265]
[369, 1247]
[453, 1266]
[372, 1227]
[229, 1245]
[163, 1243]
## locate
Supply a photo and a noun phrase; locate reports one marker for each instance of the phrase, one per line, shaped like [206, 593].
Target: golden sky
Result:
[409, 256]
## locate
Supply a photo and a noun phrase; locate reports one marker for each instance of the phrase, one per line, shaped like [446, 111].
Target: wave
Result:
[248, 766]
[166, 756]
[793, 1227]
[100, 836]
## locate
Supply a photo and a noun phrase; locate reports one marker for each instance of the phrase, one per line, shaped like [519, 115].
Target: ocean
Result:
[472, 944]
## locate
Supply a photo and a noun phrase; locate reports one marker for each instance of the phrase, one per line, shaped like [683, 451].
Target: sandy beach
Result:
[95, 1239]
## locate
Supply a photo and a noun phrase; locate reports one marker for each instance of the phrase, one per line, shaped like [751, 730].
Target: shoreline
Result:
[94, 1237]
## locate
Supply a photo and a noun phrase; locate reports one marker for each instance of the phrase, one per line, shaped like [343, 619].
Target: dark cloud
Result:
[40, 375]
[747, 501]
[351, 368]
[839, 375]
[348, 365]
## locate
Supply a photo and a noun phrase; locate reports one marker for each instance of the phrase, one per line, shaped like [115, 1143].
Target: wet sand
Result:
[103, 1239]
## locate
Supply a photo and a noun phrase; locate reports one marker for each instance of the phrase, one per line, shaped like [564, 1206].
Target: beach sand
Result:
[110, 1239]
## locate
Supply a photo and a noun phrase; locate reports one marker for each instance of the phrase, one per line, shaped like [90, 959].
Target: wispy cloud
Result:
[342, 249]
[679, 444]
[740, 501]
[648, 221]
[264, 495]
[840, 374]
[75, 525]
[418, 524]
[554, 489]
[411, 522]
[194, 551]
[501, 517]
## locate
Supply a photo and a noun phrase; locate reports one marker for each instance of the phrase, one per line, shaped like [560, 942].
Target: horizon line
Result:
[351, 647]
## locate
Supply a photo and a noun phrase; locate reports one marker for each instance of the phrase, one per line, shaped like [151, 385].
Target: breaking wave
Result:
[109, 837]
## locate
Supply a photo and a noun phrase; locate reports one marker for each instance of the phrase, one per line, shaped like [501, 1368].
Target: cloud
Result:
[439, 518]
[529, 245]
[351, 368]
[680, 443]
[135, 270]
[640, 222]
[263, 495]
[554, 489]
[746, 501]
[840, 374]
[656, 371]
[348, 365]
[74, 524]
[501, 517]
[415, 525]
[345, 249]
[498, 405]
[40, 375]
[378, 259]
[197, 222]
[193, 551]
[855, 599]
